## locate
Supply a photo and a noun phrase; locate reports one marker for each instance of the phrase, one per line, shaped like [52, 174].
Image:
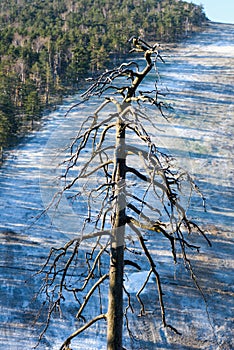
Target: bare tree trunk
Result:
[115, 306]
[1, 154]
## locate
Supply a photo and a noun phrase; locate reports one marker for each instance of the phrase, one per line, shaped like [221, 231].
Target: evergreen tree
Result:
[53, 44]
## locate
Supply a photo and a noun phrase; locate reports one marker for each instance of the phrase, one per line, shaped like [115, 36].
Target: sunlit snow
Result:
[198, 77]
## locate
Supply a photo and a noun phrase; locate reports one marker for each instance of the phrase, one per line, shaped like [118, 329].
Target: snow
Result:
[134, 281]
[201, 135]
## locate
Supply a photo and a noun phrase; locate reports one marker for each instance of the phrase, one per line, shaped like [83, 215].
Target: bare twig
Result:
[67, 342]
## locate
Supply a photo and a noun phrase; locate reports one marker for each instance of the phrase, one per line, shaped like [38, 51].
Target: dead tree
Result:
[122, 217]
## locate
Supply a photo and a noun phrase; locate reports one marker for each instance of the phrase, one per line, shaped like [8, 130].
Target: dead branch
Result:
[90, 293]
[142, 311]
[129, 306]
[67, 342]
[147, 179]
[87, 279]
[144, 203]
[132, 263]
[156, 227]
[155, 272]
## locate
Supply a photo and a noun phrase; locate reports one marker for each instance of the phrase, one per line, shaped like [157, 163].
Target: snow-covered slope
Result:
[199, 74]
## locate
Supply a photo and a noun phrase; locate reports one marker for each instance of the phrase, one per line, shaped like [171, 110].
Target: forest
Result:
[47, 48]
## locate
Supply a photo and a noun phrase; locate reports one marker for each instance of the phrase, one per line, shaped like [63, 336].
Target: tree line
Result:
[47, 47]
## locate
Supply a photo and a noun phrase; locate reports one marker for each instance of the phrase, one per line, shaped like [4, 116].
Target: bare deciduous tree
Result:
[121, 153]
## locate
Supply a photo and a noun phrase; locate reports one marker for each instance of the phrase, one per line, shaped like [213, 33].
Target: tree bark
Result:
[115, 306]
